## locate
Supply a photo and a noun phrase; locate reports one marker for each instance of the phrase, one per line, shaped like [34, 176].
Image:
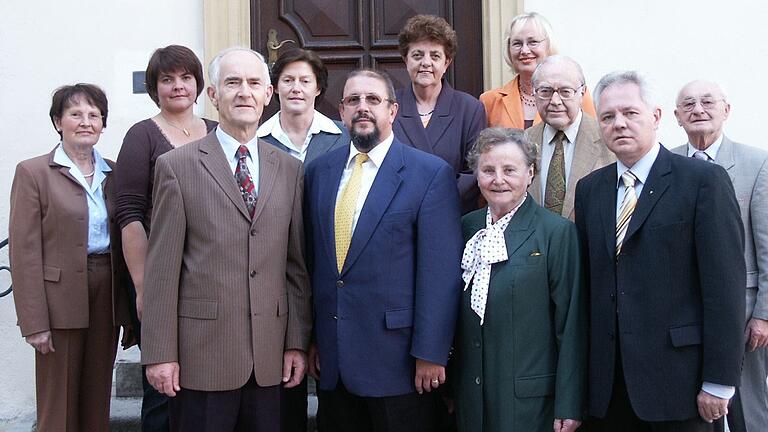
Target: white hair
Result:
[647, 94]
[215, 66]
[558, 59]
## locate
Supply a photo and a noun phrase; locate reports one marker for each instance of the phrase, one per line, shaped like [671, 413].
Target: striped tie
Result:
[628, 204]
[345, 211]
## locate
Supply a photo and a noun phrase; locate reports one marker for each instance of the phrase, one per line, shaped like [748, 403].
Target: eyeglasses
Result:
[546, 93]
[79, 116]
[707, 103]
[370, 99]
[517, 44]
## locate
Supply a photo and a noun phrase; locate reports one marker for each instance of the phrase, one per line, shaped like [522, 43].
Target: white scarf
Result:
[484, 249]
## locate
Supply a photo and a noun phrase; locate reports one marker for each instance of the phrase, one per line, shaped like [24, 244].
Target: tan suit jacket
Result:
[225, 295]
[589, 154]
[49, 248]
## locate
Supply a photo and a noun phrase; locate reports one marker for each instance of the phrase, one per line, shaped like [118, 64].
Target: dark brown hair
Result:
[428, 27]
[173, 58]
[302, 55]
[68, 95]
[376, 74]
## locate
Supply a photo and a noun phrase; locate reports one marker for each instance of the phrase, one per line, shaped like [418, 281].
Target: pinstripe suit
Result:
[589, 154]
[225, 295]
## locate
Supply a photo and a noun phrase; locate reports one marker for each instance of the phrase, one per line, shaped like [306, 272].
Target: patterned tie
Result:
[345, 211]
[244, 180]
[702, 155]
[628, 204]
[554, 195]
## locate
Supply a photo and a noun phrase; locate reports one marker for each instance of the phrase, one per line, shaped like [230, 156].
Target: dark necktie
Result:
[554, 195]
[244, 180]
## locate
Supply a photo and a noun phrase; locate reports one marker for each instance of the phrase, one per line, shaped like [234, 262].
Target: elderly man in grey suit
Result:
[227, 306]
[702, 108]
[568, 139]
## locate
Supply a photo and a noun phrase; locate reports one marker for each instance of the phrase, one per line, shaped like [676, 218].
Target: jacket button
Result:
[335, 317]
[477, 380]
[477, 344]
[253, 232]
[253, 273]
[339, 284]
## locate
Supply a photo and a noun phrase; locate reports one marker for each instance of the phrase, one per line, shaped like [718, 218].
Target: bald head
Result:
[560, 63]
[558, 83]
[701, 109]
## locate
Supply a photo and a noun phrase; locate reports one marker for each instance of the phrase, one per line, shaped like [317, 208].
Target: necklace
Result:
[184, 130]
[427, 114]
[91, 174]
[526, 98]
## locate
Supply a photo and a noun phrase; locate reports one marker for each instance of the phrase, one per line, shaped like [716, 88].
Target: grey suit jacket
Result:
[225, 294]
[589, 154]
[748, 168]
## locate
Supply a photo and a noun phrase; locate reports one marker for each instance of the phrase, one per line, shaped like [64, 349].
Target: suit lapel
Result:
[61, 168]
[269, 165]
[442, 118]
[725, 157]
[410, 122]
[584, 158]
[215, 162]
[384, 187]
[656, 185]
[536, 136]
[607, 199]
[520, 227]
[512, 103]
[328, 178]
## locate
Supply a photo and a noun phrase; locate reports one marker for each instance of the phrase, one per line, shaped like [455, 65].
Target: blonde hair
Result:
[541, 25]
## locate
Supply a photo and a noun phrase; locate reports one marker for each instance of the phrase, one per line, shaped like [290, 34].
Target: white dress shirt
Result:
[711, 151]
[641, 169]
[548, 149]
[230, 146]
[370, 169]
[320, 123]
[98, 220]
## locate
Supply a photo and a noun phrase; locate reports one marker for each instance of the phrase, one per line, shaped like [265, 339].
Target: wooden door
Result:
[349, 34]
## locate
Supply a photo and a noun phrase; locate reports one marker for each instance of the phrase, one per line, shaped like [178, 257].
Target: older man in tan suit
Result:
[227, 304]
[568, 139]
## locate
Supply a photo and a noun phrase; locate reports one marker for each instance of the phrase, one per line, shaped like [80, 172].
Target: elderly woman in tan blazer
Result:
[68, 266]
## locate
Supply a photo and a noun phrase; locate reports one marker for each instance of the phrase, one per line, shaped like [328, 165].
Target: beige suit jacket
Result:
[49, 248]
[589, 154]
[225, 295]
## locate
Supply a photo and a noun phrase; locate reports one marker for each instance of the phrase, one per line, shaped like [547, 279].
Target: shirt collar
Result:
[642, 168]
[230, 145]
[711, 151]
[570, 132]
[376, 154]
[99, 164]
[320, 123]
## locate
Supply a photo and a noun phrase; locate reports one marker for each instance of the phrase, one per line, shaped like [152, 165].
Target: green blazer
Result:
[526, 365]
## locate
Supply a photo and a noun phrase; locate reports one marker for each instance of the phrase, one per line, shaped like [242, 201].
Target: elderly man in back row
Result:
[569, 140]
[701, 110]
[663, 247]
[227, 303]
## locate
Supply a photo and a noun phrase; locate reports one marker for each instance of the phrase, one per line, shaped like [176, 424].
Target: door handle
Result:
[273, 45]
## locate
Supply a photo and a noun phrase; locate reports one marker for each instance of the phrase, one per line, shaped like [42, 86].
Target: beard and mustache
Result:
[364, 142]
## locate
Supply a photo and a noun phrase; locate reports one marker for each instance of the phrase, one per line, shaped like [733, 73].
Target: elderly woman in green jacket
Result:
[522, 334]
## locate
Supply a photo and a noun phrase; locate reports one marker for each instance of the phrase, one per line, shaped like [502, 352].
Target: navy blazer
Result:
[674, 297]
[450, 134]
[397, 296]
[319, 144]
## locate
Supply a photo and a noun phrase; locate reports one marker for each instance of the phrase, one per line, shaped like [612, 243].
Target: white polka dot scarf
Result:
[485, 248]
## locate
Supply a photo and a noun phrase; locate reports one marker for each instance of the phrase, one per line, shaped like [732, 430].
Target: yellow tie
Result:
[345, 211]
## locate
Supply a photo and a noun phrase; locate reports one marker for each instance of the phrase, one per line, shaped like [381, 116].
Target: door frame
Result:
[227, 23]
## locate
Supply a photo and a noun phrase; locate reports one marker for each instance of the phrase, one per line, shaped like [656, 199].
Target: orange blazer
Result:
[503, 106]
[49, 248]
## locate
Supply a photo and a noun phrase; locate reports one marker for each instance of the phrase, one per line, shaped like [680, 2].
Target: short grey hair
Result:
[495, 136]
[215, 66]
[647, 94]
[554, 60]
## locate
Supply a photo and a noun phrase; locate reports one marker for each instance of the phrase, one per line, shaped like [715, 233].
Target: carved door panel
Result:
[348, 34]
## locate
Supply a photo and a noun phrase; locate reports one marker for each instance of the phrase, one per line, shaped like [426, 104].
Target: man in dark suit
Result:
[227, 310]
[702, 108]
[663, 244]
[568, 140]
[384, 251]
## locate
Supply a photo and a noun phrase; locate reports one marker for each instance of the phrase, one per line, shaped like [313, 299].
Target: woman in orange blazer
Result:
[68, 266]
[527, 42]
